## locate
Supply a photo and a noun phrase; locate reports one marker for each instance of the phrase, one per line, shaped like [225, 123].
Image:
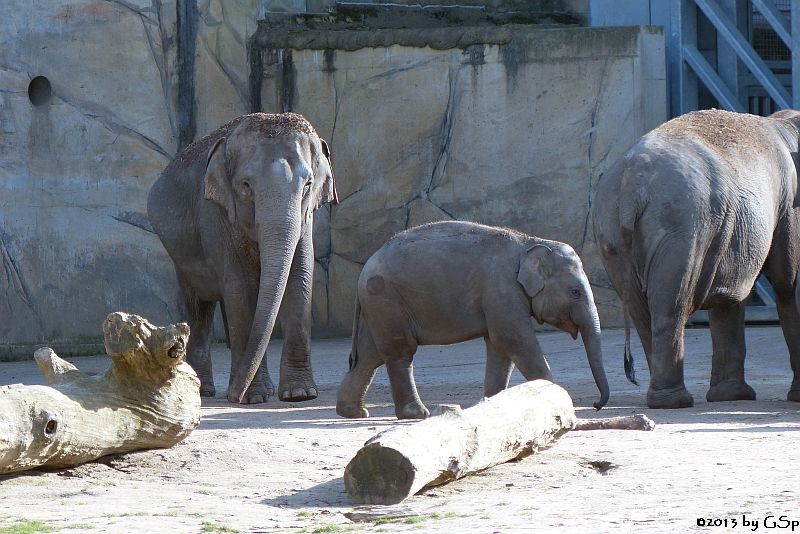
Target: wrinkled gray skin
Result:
[448, 282]
[686, 219]
[235, 212]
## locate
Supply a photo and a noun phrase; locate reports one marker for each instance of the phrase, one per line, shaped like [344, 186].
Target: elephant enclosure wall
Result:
[504, 124]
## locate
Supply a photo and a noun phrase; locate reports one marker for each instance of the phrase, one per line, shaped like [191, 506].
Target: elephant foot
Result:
[730, 390]
[257, 393]
[207, 390]
[793, 395]
[669, 398]
[351, 411]
[297, 387]
[412, 410]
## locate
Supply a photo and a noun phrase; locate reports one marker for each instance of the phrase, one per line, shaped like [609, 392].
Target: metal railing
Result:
[726, 80]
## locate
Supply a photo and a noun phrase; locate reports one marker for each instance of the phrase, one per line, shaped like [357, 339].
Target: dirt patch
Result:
[278, 467]
[722, 129]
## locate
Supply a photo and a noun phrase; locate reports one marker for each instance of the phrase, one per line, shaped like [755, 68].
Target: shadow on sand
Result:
[330, 493]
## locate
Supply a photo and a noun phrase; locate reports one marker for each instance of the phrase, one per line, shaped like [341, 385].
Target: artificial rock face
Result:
[514, 131]
[510, 127]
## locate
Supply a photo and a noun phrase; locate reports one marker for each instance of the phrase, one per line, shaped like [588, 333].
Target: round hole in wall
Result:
[39, 91]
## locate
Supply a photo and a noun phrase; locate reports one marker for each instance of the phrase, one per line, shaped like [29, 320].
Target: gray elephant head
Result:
[553, 278]
[268, 175]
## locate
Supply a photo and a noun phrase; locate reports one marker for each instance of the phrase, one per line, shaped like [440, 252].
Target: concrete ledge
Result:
[20, 352]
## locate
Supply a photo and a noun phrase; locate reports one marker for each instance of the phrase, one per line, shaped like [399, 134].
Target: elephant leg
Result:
[673, 275]
[396, 345]
[668, 317]
[510, 334]
[407, 404]
[356, 382]
[727, 362]
[783, 267]
[790, 324]
[240, 299]
[642, 322]
[198, 352]
[498, 370]
[296, 378]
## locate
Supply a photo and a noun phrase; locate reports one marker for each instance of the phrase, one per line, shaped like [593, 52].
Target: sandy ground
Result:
[278, 467]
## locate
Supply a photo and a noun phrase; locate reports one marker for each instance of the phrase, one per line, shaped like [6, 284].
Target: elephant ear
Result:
[531, 273]
[217, 183]
[328, 190]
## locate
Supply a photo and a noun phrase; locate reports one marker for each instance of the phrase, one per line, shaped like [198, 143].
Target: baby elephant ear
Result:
[329, 184]
[217, 183]
[531, 274]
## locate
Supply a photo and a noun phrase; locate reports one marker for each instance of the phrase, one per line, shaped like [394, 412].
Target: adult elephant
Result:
[686, 220]
[235, 212]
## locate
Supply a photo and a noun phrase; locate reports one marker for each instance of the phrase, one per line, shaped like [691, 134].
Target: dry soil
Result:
[278, 467]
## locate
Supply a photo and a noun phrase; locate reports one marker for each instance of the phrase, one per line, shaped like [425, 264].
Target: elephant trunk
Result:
[590, 334]
[277, 240]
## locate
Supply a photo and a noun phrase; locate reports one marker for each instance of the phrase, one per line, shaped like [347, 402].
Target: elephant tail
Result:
[627, 355]
[353, 360]
[628, 213]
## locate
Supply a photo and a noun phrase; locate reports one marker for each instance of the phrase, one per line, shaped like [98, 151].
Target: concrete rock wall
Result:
[75, 242]
[503, 125]
[512, 134]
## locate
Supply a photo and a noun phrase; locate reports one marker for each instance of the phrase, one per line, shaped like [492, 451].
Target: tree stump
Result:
[402, 460]
[148, 398]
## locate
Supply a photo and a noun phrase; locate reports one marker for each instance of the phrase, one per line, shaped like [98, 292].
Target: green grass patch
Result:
[126, 514]
[216, 527]
[327, 528]
[27, 527]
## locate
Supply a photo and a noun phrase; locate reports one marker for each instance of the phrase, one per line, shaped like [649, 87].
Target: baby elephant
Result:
[451, 281]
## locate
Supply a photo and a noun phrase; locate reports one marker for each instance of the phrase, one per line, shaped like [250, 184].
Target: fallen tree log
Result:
[637, 421]
[404, 459]
[148, 398]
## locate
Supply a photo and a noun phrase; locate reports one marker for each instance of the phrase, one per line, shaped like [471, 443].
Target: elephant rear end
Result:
[684, 221]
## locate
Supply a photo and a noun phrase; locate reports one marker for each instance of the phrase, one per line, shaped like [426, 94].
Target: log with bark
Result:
[515, 423]
[148, 398]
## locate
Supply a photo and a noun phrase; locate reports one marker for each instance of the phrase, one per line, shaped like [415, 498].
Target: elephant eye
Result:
[246, 184]
[575, 293]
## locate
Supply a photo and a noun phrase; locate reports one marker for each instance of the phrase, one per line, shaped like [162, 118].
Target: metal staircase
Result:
[712, 42]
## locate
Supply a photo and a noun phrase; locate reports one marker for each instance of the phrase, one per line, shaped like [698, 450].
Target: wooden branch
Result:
[638, 421]
[148, 398]
[406, 458]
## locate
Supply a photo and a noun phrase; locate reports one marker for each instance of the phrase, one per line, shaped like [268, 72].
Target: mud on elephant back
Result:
[235, 212]
[448, 282]
[687, 219]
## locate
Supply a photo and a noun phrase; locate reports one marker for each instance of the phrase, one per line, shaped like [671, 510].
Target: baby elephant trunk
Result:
[590, 334]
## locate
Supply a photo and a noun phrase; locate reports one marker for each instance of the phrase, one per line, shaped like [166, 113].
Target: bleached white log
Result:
[637, 421]
[148, 398]
[406, 458]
